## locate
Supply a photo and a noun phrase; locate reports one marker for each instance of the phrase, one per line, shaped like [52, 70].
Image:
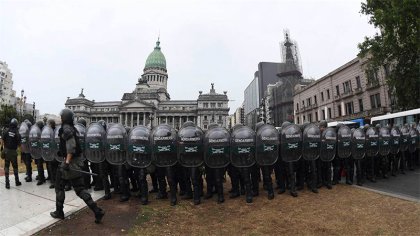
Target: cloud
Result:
[55, 48]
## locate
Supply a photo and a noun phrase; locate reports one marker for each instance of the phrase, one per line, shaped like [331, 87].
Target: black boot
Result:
[270, 195]
[7, 182]
[58, 213]
[99, 214]
[18, 183]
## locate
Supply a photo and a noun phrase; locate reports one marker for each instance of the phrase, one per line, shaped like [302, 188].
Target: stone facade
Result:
[7, 94]
[349, 92]
[149, 104]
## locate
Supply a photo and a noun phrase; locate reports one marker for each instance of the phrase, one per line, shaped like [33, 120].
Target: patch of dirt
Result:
[344, 210]
[119, 219]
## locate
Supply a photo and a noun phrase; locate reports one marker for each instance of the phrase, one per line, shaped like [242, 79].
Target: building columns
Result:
[144, 118]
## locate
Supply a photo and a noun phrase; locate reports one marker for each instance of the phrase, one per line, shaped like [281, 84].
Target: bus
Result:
[399, 118]
[350, 124]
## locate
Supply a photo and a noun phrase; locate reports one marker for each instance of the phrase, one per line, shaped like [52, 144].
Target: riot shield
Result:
[81, 133]
[358, 144]
[190, 146]
[418, 136]
[328, 144]
[116, 142]
[413, 140]
[242, 152]
[217, 146]
[405, 136]
[164, 149]
[47, 141]
[395, 140]
[95, 143]
[34, 142]
[291, 143]
[384, 141]
[139, 153]
[267, 143]
[344, 142]
[372, 147]
[24, 137]
[311, 142]
[56, 145]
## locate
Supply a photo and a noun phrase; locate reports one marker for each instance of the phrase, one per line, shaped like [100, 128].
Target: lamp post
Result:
[21, 102]
[151, 118]
[33, 112]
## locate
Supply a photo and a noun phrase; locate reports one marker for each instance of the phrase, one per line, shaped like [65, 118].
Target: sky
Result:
[54, 48]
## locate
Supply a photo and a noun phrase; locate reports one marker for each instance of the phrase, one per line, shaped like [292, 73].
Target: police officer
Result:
[70, 150]
[11, 141]
[40, 162]
[52, 165]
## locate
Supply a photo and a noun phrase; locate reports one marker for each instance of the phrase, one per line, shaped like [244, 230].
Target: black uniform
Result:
[69, 144]
[11, 139]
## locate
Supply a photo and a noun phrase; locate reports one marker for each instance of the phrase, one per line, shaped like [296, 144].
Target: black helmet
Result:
[258, 125]
[13, 123]
[40, 124]
[67, 116]
[51, 123]
[82, 121]
[102, 123]
[285, 124]
[188, 124]
[323, 124]
[212, 125]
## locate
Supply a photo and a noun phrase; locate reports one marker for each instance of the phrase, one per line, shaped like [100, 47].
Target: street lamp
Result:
[151, 118]
[21, 102]
[33, 112]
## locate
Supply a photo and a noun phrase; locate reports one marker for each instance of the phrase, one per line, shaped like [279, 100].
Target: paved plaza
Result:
[26, 208]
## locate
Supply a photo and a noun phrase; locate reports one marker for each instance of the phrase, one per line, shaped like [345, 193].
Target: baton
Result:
[84, 172]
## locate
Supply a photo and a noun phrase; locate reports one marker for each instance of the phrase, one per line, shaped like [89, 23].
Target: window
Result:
[310, 117]
[297, 106]
[360, 105]
[329, 113]
[328, 94]
[220, 118]
[339, 110]
[337, 90]
[322, 96]
[205, 105]
[205, 117]
[212, 105]
[349, 108]
[298, 120]
[304, 118]
[375, 101]
[308, 101]
[315, 101]
[303, 103]
[219, 104]
[372, 77]
[359, 85]
[205, 126]
[347, 87]
[316, 116]
[323, 114]
[212, 118]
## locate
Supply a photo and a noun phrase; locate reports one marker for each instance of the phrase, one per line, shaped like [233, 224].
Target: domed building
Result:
[150, 104]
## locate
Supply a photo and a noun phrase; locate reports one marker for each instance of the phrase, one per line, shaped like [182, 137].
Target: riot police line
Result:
[311, 154]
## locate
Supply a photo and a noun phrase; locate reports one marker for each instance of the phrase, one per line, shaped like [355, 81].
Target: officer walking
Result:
[11, 141]
[70, 150]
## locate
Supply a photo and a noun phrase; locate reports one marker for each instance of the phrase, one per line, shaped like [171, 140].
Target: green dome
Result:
[156, 59]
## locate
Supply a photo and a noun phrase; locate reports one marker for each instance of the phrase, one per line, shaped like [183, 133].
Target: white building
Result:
[7, 94]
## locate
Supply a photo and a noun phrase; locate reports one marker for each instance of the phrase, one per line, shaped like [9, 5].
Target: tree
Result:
[6, 114]
[396, 48]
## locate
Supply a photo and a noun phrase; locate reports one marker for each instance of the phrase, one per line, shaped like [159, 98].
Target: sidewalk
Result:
[26, 209]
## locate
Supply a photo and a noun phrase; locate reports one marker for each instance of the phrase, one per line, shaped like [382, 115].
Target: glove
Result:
[65, 166]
